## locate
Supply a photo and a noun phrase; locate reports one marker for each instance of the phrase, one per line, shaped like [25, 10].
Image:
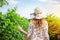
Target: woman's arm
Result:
[46, 35]
[30, 30]
[20, 28]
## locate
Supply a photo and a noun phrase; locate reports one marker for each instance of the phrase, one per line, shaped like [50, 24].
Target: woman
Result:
[38, 28]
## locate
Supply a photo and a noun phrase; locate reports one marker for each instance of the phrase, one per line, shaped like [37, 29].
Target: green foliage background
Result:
[9, 25]
[3, 2]
[54, 26]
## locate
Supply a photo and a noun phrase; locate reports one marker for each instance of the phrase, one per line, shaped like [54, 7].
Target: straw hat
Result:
[37, 10]
[37, 13]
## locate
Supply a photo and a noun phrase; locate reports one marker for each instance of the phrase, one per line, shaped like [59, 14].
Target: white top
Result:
[38, 33]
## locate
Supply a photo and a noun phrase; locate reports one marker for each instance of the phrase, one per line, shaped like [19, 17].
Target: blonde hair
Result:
[38, 22]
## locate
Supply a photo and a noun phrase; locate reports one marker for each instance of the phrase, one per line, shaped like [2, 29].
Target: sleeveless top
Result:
[38, 33]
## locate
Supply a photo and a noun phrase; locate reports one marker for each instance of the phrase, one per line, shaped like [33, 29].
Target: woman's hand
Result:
[20, 28]
[45, 38]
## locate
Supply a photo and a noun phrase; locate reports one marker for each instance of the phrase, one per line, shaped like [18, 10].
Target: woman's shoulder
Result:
[44, 21]
[32, 22]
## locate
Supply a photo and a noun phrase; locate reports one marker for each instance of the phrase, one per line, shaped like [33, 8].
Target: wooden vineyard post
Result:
[57, 36]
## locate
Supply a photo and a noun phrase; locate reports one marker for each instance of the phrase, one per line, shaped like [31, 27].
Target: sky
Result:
[26, 7]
